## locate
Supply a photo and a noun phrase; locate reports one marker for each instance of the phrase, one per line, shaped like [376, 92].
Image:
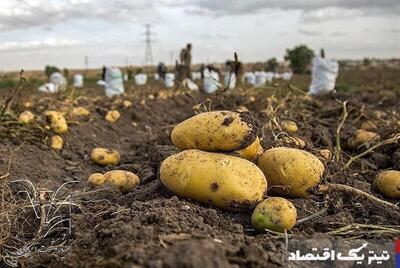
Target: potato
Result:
[26, 117]
[290, 168]
[112, 116]
[388, 183]
[96, 179]
[58, 123]
[289, 126]
[226, 181]
[216, 131]
[253, 151]
[28, 104]
[368, 125]
[103, 156]
[362, 136]
[124, 180]
[296, 141]
[127, 103]
[326, 153]
[275, 213]
[56, 142]
[80, 111]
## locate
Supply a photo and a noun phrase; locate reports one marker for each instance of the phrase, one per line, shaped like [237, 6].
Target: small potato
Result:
[112, 116]
[124, 180]
[127, 103]
[362, 136]
[296, 141]
[226, 181]
[242, 109]
[326, 153]
[96, 179]
[388, 183]
[58, 123]
[26, 117]
[369, 125]
[275, 214]
[80, 111]
[103, 156]
[289, 126]
[290, 168]
[216, 131]
[56, 142]
[28, 104]
[253, 151]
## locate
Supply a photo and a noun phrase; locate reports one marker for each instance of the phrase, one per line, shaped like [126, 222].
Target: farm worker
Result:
[161, 70]
[185, 61]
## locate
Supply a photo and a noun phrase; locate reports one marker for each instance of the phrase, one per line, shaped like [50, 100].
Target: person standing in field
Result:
[185, 62]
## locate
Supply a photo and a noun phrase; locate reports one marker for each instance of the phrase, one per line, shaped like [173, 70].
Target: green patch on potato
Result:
[275, 213]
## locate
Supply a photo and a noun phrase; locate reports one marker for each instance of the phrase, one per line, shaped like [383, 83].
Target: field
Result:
[50, 217]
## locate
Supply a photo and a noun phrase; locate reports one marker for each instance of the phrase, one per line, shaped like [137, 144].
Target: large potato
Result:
[275, 213]
[253, 151]
[290, 168]
[223, 180]
[103, 156]
[216, 131]
[388, 183]
[124, 180]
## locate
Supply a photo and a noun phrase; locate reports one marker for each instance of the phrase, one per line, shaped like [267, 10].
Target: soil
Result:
[152, 227]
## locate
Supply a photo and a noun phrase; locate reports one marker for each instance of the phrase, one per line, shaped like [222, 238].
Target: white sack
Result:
[169, 80]
[140, 79]
[114, 84]
[230, 78]
[78, 80]
[324, 74]
[211, 81]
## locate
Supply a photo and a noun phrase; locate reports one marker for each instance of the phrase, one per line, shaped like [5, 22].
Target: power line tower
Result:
[148, 56]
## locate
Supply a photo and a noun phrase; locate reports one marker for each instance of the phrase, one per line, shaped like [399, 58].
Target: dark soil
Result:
[150, 226]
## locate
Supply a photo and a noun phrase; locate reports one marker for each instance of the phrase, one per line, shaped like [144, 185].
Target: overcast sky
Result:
[34, 33]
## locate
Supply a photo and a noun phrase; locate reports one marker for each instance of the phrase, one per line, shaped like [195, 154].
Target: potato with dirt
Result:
[290, 171]
[223, 180]
[57, 121]
[289, 126]
[56, 142]
[275, 214]
[96, 179]
[361, 137]
[124, 181]
[253, 151]
[104, 157]
[26, 117]
[216, 131]
[112, 116]
[388, 183]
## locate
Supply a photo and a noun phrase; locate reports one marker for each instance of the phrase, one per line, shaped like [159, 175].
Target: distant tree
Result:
[271, 65]
[300, 58]
[48, 70]
[366, 61]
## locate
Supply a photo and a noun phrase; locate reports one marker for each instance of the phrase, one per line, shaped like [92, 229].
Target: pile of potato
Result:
[215, 166]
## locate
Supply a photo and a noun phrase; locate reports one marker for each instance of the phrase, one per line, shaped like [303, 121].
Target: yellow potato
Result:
[28, 104]
[275, 213]
[26, 117]
[296, 141]
[112, 116]
[290, 168]
[362, 136]
[96, 179]
[124, 180]
[103, 156]
[80, 111]
[388, 183]
[57, 121]
[216, 131]
[289, 126]
[326, 153]
[226, 181]
[369, 125]
[127, 103]
[253, 151]
[56, 142]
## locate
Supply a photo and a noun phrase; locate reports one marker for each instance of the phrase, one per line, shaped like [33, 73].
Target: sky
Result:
[35, 33]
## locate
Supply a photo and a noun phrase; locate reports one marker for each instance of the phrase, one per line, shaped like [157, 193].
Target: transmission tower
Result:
[148, 56]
